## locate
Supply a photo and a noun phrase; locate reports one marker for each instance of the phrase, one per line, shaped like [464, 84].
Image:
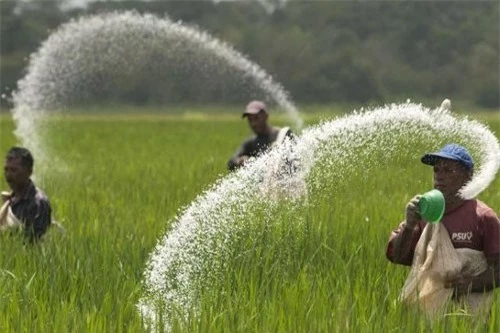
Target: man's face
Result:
[15, 173]
[258, 122]
[450, 177]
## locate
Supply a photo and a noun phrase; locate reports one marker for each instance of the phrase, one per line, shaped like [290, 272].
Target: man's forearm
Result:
[231, 165]
[403, 246]
[487, 280]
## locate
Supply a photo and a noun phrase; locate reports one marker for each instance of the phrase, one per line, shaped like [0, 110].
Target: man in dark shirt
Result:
[26, 206]
[265, 135]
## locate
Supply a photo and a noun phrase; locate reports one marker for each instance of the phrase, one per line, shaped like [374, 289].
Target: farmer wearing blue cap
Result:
[265, 135]
[469, 223]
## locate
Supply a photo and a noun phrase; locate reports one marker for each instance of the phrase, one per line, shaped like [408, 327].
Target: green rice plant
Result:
[116, 183]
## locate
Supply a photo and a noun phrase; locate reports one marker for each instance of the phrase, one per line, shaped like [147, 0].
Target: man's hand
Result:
[412, 214]
[461, 285]
[241, 160]
[6, 196]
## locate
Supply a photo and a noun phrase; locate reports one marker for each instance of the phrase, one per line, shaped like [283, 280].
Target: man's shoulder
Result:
[483, 208]
[250, 140]
[285, 132]
[40, 196]
[483, 211]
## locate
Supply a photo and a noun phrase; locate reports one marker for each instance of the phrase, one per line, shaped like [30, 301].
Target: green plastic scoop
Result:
[431, 206]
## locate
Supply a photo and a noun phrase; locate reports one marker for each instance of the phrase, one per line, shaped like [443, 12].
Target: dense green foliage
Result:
[320, 51]
[118, 184]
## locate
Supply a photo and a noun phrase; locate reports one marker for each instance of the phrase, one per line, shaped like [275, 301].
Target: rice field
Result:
[118, 181]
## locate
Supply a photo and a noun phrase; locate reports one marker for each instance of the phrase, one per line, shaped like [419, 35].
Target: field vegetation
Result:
[116, 183]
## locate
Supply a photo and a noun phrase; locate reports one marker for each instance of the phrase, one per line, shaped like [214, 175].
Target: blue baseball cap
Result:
[450, 152]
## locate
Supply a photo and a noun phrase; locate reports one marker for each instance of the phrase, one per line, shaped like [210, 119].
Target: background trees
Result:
[321, 52]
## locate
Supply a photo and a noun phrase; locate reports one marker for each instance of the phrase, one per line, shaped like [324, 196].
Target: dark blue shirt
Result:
[254, 146]
[34, 212]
